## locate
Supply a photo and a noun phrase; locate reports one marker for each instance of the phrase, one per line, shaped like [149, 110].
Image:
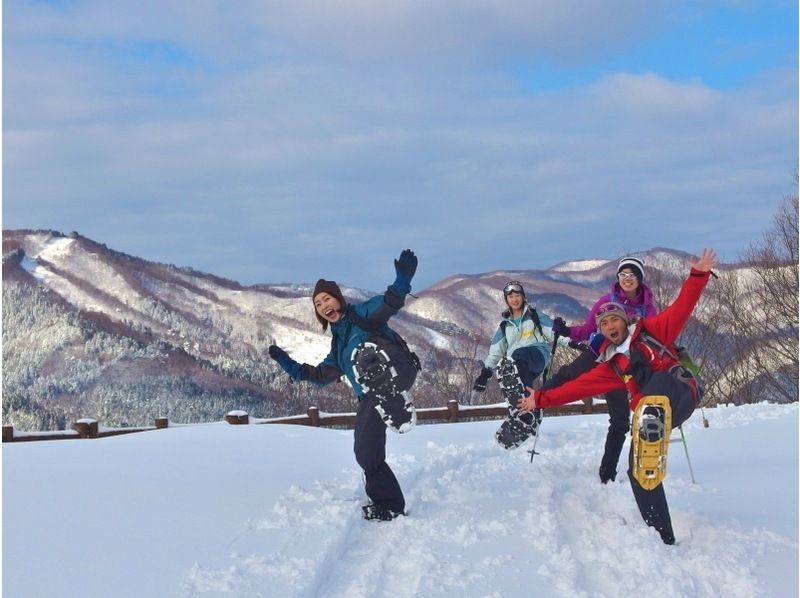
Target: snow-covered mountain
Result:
[89, 331]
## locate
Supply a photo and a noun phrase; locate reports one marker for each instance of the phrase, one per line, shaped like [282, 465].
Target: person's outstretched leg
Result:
[653, 503]
[530, 365]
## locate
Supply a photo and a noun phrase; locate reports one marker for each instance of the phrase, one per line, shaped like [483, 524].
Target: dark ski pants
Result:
[653, 503]
[530, 364]
[618, 412]
[370, 448]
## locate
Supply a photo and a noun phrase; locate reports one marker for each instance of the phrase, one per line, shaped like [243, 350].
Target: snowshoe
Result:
[510, 384]
[378, 379]
[517, 428]
[652, 424]
[373, 512]
[514, 431]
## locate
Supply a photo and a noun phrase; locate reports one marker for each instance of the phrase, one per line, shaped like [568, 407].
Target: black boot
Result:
[373, 512]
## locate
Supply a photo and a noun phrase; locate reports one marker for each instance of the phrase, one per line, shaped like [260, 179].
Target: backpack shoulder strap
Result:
[362, 322]
[649, 338]
[536, 321]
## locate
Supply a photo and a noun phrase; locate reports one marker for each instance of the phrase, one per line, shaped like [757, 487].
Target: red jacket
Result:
[665, 326]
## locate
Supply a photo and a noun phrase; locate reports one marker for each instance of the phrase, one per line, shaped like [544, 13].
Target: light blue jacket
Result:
[510, 337]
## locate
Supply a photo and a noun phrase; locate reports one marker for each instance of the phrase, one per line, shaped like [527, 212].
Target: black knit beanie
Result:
[330, 287]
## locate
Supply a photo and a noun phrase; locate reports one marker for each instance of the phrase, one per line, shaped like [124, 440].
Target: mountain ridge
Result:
[88, 330]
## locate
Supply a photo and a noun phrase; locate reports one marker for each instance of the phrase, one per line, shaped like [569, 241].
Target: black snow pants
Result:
[618, 412]
[653, 503]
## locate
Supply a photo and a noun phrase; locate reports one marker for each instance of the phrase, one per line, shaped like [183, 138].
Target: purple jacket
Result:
[641, 306]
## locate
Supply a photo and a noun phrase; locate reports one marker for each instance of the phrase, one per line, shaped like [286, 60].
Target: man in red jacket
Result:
[641, 356]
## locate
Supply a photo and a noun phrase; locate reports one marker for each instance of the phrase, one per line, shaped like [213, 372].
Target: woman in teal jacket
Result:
[524, 336]
[350, 326]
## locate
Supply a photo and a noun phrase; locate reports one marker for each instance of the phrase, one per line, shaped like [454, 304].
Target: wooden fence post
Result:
[452, 408]
[313, 415]
[161, 423]
[237, 417]
[8, 433]
[86, 428]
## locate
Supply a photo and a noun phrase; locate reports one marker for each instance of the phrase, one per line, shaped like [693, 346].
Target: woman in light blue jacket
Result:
[525, 337]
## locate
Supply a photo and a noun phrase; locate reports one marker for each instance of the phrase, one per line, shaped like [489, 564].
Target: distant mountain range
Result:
[89, 331]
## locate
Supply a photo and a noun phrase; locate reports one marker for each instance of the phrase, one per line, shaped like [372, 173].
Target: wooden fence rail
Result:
[451, 413]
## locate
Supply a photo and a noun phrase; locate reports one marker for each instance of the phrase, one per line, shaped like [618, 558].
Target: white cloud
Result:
[653, 96]
[375, 126]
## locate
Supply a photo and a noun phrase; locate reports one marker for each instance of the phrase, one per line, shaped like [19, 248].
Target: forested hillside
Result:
[91, 332]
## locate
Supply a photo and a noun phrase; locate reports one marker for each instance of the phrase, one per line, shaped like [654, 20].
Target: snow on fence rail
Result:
[451, 413]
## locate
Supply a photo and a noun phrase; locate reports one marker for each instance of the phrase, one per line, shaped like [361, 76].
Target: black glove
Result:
[405, 266]
[482, 379]
[289, 365]
[607, 474]
[560, 328]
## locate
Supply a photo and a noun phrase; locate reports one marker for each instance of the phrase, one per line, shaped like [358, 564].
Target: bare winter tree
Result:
[449, 376]
[773, 287]
[759, 315]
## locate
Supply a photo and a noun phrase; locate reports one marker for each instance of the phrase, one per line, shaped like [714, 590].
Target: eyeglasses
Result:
[625, 275]
[512, 287]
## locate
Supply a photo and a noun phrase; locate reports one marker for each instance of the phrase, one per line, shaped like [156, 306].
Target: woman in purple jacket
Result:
[637, 300]
[628, 291]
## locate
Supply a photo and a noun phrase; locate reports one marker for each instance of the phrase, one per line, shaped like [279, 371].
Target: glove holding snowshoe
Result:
[289, 365]
[560, 328]
[482, 379]
[405, 266]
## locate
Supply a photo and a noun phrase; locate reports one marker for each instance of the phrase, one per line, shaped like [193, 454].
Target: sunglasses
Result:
[626, 275]
[512, 287]
[608, 308]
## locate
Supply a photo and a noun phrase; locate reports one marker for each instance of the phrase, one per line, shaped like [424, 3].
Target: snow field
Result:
[274, 510]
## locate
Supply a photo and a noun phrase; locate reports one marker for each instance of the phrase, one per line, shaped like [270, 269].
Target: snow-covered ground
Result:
[269, 510]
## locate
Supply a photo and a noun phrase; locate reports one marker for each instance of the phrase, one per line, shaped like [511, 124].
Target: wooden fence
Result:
[451, 413]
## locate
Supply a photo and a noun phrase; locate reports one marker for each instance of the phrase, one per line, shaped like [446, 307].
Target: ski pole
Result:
[686, 450]
[544, 379]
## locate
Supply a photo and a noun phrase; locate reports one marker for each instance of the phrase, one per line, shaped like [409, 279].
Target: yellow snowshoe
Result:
[652, 424]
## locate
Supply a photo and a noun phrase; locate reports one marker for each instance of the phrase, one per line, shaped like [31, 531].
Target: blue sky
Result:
[287, 140]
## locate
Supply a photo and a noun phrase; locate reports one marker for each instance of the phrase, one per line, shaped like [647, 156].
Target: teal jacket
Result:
[347, 336]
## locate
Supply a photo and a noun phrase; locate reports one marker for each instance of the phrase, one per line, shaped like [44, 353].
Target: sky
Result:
[288, 140]
[274, 510]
